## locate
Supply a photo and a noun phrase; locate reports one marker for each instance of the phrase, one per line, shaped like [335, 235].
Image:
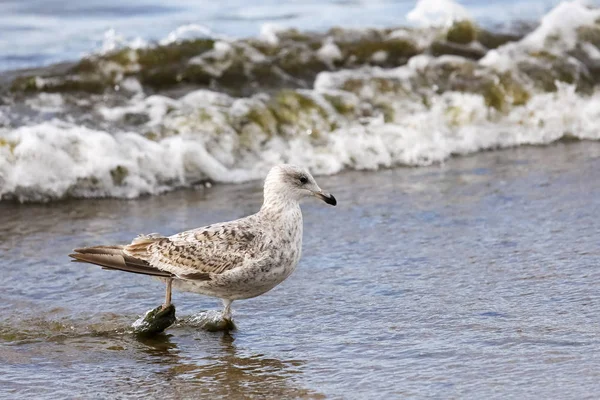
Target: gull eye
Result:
[303, 180]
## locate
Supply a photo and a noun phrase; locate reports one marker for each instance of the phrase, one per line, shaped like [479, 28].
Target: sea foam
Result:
[54, 159]
[531, 91]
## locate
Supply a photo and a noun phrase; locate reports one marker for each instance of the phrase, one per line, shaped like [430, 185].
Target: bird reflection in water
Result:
[222, 369]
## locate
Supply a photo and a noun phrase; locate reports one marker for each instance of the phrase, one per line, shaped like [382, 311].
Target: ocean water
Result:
[473, 279]
[202, 106]
[460, 138]
[40, 32]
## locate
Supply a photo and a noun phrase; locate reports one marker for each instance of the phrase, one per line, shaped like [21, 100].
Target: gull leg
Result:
[222, 323]
[227, 309]
[157, 320]
[168, 294]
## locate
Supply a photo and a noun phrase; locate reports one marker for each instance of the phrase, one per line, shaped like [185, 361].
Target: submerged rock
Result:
[155, 321]
[211, 321]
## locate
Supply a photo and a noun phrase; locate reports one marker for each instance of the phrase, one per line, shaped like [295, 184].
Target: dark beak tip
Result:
[327, 198]
[331, 200]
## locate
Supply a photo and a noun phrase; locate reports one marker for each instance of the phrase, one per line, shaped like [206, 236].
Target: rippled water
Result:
[474, 279]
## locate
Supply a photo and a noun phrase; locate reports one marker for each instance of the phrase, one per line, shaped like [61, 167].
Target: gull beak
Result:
[326, 197]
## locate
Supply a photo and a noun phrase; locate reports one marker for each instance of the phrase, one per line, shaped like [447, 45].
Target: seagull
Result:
[232, 260]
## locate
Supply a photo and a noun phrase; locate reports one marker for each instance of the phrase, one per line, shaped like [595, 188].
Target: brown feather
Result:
[197, 276]
[100, 250]
[111, 257]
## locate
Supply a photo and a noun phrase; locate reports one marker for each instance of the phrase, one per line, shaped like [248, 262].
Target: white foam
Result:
[269, 31]
[216, 60]
[155, 106]
[4, 120]
[46, 102]
[558, 28]
[432, 13]
[141, 324]
[188, 32]
[131, 84]
[556, 34]
[113, 40]
[379, 56]
[329, 53]
[54, 158]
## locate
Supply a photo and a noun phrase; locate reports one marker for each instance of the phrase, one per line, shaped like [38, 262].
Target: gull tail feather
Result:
[113, 258]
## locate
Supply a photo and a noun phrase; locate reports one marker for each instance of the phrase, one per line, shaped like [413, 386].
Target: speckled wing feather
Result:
[114, 258]
[198, 253]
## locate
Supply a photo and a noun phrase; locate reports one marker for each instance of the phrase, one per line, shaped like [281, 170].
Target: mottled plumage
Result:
[231, 260]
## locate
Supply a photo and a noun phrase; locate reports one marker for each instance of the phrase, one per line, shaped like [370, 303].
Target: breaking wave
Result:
[147, 119]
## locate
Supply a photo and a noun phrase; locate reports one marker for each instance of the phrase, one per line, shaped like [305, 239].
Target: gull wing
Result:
[198, 253]
[114, 258]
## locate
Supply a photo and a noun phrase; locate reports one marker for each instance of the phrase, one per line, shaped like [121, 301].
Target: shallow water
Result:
[476, 278]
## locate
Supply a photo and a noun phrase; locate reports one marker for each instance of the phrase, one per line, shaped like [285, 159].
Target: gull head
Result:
[287, 182]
